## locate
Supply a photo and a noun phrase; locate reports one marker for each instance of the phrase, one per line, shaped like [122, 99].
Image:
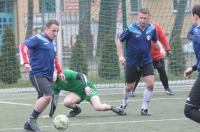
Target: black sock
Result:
[34, 114]
[113, 107]
[76, 108]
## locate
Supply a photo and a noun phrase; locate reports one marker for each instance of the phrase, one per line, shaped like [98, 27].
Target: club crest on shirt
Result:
[188, 98]
[148, 37]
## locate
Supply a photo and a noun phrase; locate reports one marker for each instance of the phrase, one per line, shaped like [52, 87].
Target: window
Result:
[136, 5]
[188, 6]
[47, 6]
[6, 6]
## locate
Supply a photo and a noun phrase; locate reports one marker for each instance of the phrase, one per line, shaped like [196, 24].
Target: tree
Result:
[9, 63]
[178, 24]
[84, 26]
[107, 21]
[109, 64]
[78, 60]
[29, 19]
[177, 62]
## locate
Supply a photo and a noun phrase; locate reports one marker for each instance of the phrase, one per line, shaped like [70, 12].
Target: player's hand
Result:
[162, 52]
[27, 67]
[122, 60]
[169, 54]
[188, 72]
[62, 76]
[88, 91]
[46, 116]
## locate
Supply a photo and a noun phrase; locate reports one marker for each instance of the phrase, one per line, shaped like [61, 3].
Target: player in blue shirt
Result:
[192, 105]
[42, 52]
[190, 33]
[138, 60]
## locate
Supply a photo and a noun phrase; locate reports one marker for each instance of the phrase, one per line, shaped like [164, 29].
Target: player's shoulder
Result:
[42, 37]
[156, 25]
[150, 28]
[31, 39]
[134, 27]
[197, 30]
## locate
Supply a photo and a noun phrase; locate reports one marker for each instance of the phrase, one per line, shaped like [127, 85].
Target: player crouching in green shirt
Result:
[79, 89]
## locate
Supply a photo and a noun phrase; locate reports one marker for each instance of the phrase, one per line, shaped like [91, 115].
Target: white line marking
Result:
[132, 100]
[3, 102]
[104, 123]
[170, 98]
[124, 122]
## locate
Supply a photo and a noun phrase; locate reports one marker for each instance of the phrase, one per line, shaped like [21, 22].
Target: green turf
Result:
[167, 113]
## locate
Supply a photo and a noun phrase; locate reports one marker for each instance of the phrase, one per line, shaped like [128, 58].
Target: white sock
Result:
[126, 96]
[146, 98]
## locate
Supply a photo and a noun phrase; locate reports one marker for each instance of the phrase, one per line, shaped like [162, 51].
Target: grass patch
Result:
[19, 84]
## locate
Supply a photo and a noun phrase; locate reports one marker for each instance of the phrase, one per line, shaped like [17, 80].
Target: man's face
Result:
[52, 31]
[194, 19]
[143, 19]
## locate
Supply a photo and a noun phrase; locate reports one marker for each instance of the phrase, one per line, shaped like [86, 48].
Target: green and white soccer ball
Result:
[61, 122]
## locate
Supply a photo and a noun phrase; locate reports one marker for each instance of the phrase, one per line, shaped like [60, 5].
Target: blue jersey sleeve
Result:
[155, 36]
[192, 28]
[31, 42]
[190, 33]
[124, 35]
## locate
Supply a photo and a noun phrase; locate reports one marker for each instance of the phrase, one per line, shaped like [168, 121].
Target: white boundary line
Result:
[104, 123]
[3, 102]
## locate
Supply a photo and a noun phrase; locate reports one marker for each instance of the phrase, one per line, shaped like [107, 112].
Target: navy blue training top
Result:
[42, 54]
[138, 44]
[196, 46]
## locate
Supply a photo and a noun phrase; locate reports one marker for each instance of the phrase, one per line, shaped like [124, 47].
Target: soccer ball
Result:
[61, 122]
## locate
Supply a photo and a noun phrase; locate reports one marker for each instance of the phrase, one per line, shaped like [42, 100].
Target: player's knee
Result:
[187, 111]
[97, 107]
[129, 87]
[150, 85]
[66, 103]
[47, 99]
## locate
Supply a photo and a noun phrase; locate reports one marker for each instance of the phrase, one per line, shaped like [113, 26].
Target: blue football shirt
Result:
[196, 46]
[138, 44]
[42, 54]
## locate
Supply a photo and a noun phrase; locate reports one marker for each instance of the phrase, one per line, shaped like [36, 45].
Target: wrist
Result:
[194, 67]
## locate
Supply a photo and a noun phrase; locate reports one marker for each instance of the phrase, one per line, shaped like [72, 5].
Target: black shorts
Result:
[132, 73]
[43, 85]
[159, 63]
[193, 98]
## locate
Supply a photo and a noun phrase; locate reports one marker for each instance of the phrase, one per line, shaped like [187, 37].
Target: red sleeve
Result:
[23, 54]
[161, 36]
[57, 65]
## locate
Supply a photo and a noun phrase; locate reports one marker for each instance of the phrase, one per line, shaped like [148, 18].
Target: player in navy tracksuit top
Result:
[41, 49]
[192, 105]
[190, 33]
[138, 60]
[42, 54]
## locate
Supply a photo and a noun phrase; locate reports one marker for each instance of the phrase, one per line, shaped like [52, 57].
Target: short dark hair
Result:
[196, 10]
[144, 11]
[51, 22]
